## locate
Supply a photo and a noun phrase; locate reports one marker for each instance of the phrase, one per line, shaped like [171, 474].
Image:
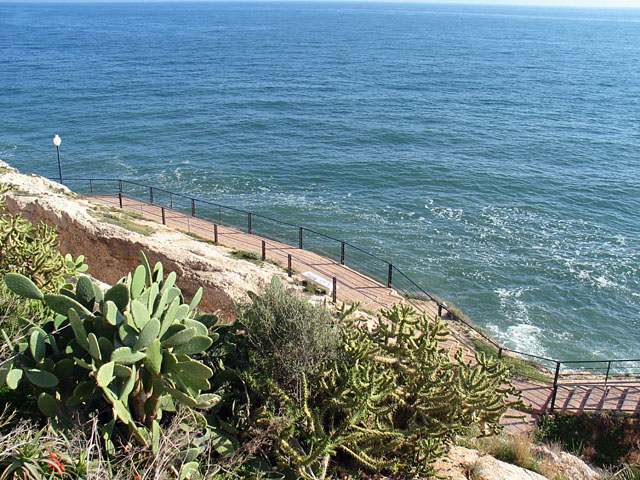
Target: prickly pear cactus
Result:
[130, 346]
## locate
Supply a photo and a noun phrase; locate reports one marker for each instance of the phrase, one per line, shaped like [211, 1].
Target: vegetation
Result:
[313, 289]
[127, 348]
[32, 251]
[344, 399]
[605, 438]
[130, 382]
[200, 238]
[518, 367]
[123, 219]
[252, 257]
[519, 450]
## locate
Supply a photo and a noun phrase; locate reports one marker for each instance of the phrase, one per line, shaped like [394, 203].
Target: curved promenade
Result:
[576, 395]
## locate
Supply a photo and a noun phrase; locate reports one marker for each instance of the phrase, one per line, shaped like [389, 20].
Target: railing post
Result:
[164, 220]
[334, 293]
[91, 186]
[120, 198]
[555, 388]
[249, 222]
[300, 237]
[171, 200]
[289, 269]
[151, 195]
[215, 233]
[500, 352]
[264, 250]
[342, 253]
[193, 207]
[440, 310]
[120, 186]
[606, 378]
[390, 275]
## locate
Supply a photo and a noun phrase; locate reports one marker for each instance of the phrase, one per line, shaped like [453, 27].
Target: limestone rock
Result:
[489, 468]
[566, 465]
[456, 464]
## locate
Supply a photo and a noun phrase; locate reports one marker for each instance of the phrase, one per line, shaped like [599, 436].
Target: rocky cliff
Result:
[112, 250]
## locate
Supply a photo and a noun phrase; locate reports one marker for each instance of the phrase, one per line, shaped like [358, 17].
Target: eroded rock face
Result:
[111, 251]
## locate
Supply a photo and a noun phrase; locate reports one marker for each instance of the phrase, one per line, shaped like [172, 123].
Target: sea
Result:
[491, 153]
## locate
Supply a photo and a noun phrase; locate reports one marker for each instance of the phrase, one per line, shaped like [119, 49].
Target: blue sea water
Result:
[491, 152]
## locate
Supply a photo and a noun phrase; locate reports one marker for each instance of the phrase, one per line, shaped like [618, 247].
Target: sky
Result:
[548, 3]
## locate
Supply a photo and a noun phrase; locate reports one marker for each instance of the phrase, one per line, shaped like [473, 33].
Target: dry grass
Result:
[125, 219]
[520, 450]
[35, 452]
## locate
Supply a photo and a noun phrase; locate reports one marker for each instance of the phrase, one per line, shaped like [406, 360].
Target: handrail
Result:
[392, 270]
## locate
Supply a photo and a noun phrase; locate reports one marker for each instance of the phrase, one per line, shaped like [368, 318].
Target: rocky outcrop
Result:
[489, 468]
[564, 464]
[463, 464]
[112, 250]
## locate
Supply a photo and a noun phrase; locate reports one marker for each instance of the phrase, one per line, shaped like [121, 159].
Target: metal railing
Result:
[607, 374]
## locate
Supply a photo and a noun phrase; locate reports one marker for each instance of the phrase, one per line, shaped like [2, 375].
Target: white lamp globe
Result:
[57, 140]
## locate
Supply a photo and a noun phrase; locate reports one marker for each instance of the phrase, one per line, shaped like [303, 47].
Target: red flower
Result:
[57, 466]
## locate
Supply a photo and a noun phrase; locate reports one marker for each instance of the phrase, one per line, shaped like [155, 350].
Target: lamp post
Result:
[57, 141]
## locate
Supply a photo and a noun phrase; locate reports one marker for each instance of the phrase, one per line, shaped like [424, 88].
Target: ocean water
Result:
[492, 153]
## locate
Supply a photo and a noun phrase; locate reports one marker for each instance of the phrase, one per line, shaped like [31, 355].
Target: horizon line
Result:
[575, 4]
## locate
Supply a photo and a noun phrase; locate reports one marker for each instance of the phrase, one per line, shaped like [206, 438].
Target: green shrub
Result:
[289, 336]
[312, 288]
[606, 438]
[345, 398]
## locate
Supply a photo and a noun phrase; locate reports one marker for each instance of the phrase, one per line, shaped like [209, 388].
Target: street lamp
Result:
[57, 141]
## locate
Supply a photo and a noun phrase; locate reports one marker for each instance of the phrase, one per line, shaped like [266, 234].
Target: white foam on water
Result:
[123, 165]
[603, 282]
[521, 334]
[583, 274]
[7, 151]
[621, 239]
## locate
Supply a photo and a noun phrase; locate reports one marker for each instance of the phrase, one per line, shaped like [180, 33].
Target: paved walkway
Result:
[353, 286]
